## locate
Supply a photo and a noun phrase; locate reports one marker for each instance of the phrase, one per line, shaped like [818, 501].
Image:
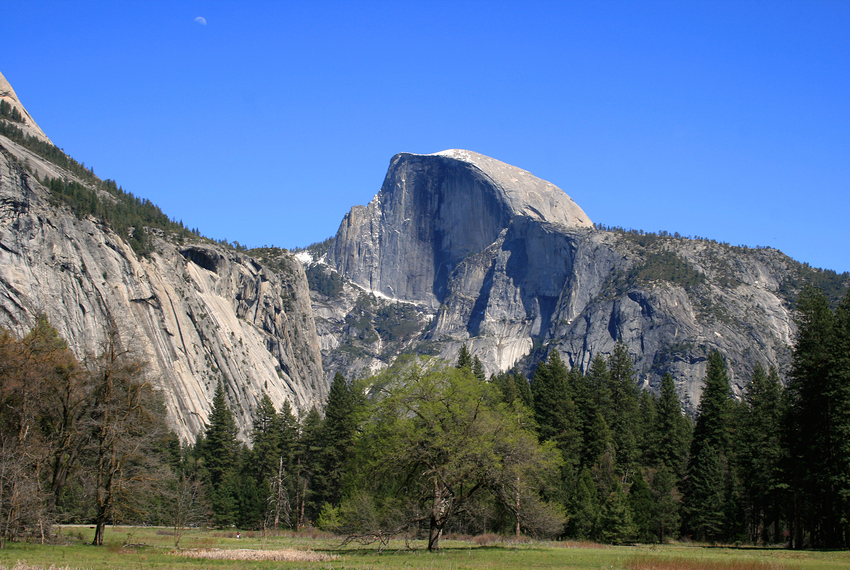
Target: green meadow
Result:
[152, 548]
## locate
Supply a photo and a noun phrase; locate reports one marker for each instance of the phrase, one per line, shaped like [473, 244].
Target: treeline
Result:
[125, 213]
[399, 452]
[667, 266]
[427, 449]
[7, 111]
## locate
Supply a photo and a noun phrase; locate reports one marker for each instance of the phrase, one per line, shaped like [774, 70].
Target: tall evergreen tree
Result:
[706, 485]
[705, 495]
[310, 472]
[478, 369]
[615, 519]
[645, 434]
[585, 511]
[598, 440]
[596, 395]
[624, 416]
[557, 421]
[219, 459]
[464, 359]
[819, 423]
[642, 506]
[554, 409]
[673, 430]
[598, 386]
[265, 437]
[761, 454]
[665, 515]
[337, 435]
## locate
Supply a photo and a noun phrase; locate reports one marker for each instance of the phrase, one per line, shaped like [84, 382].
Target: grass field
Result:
[152, 548]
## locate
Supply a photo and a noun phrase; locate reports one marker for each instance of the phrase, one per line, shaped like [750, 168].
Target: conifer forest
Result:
[428, 448]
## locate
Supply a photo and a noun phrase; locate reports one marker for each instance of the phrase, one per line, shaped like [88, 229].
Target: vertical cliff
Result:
[196, 313]
[506, 263]
[431, 213]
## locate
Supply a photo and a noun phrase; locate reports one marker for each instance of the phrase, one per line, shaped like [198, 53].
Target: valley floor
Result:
[152, 547]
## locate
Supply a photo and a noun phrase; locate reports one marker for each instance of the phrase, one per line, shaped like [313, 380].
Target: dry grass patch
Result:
[578, 544]
[287, 555]
[658, 563]
[487, 539]
[24, 566]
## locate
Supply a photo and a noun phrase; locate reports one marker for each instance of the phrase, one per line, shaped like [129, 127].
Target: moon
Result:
[201, 20]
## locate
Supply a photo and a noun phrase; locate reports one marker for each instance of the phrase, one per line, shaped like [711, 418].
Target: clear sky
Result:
[264, 122]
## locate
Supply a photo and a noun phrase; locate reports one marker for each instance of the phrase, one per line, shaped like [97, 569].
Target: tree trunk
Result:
[518, 506]
[440, 510]
[98, 532]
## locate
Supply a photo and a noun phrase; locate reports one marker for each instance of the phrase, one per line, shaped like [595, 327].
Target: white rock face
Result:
[507, 264]
[435, 210]
[524, 193]
[196, 314]
[29, 125]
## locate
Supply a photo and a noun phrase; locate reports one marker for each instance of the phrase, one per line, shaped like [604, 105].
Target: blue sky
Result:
[728, 120]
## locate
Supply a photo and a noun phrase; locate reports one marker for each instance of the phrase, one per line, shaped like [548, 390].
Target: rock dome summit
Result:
[434, 210]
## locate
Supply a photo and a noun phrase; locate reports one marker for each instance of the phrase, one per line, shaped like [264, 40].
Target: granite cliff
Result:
[195, 311]
[483, 253]
[456, 248]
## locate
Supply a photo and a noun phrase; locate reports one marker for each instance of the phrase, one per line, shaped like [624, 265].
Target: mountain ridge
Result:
[518, 286]
[460, 249]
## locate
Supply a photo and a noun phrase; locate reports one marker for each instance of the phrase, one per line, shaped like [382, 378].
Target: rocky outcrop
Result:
[509, 265]
[432, 212]
[28, 124]
[196, 313]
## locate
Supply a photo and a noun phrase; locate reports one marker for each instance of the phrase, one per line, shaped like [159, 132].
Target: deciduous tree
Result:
[438, 437]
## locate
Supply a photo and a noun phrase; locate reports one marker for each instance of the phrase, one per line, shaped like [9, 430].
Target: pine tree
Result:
[265, 437]
[705, 495]
[624, 415]
[714, 415]
[219, 456]
[673, 430]
[615, 520]
[336, 437]
[642, 506]
[598, 439]
[761, 453]
[554, 409]
[464, 359]
[557, 421]
[309, 468]
[585, 511]
[597, 400]
[598, 384]
[284, 484]
[249, 494]
[478, 369]
[819, 422]
[645, 434]
[665, 520]
[706, 489]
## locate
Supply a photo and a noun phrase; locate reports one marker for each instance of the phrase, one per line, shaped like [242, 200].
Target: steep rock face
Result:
[509, 297]
[474, 246]
[541, 288]
[28, 126]
[431, 213]
[195, 313]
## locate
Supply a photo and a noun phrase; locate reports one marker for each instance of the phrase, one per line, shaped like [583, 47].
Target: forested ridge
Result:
[426, 448]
